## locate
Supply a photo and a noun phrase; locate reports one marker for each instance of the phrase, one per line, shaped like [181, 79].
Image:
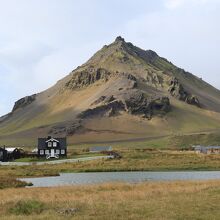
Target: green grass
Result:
[27, 207]
[174, 142]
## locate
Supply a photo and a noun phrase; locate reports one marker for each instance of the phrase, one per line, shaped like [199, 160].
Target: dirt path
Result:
[54, 161]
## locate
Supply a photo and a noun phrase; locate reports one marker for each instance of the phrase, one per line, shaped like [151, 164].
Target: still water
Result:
[128, 177]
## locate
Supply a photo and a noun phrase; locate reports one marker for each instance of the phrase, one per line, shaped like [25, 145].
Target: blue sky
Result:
[41, 41]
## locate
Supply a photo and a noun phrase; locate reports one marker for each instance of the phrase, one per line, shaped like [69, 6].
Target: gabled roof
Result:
[10, 149]
[52, 139]
[42, 144]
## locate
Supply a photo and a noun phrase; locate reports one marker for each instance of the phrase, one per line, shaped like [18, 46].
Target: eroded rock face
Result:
[133, 102]
[177, 90]
[193, 100]
[138, 103]
[105, 109]
[68, 129]
[87, 77]
[21, 103]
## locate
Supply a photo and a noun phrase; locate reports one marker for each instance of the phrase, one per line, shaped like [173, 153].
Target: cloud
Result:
[175, 4]
[188, 38]
[172, 4]
[42, 41]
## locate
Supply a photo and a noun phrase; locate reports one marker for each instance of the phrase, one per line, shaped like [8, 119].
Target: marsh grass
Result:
[197, 200]
[27, 207]
[8, 182]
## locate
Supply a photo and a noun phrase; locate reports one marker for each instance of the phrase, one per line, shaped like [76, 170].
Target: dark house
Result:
[3, 154]
[10, 153]
[13, 153]
[52, 147]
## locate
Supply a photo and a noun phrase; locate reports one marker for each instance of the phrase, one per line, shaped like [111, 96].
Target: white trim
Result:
[52, 139]
[52, 153]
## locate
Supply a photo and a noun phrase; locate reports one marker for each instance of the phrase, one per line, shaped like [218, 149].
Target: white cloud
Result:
[172, 4]
[42, 41]
[188, 38]
[175, 4]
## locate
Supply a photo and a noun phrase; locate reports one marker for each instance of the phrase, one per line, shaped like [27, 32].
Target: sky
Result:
[41, 41]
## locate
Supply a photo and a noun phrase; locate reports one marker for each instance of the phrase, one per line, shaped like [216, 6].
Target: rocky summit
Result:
[122, 92]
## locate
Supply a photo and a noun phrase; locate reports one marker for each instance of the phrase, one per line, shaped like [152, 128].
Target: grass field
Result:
[152, 201]
[132, 160]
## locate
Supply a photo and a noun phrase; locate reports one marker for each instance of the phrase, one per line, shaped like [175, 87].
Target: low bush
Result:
[27, 207]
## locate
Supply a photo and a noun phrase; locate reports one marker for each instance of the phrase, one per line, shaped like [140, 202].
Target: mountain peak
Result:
[120, 86]
[119, 39]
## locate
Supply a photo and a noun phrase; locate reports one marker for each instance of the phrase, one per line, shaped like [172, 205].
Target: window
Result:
[57, 151]
[49, 144]
[46, 151]
[62, 151]
[54, 144]
[41, 152]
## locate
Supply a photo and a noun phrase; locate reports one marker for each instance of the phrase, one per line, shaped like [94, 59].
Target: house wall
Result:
[45, 147]
[3, 155]
[44, 152]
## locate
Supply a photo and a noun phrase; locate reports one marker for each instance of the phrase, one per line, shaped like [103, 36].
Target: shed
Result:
[10, 153]
[13, 153]
[100, 149]
[207, 149]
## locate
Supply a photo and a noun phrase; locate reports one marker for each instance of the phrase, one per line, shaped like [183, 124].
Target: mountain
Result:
[121, 93]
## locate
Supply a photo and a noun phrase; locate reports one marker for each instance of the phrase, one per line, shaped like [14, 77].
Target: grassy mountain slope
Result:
[121, 93]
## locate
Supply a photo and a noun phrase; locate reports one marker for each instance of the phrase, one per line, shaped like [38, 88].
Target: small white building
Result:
[207, 149]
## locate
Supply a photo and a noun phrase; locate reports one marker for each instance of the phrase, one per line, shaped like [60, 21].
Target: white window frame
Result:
[49, 144]
[62, 152]
[54, 144]
[47, 152]
[57, 151]
[41, 152]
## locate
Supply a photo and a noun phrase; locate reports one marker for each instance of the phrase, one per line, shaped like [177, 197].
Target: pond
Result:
[128, 177]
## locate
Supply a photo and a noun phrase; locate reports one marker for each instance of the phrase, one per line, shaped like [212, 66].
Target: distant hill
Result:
[120, 93]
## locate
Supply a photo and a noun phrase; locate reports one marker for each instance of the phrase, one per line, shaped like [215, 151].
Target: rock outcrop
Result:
[177, 90]
[132, 101]
[87, 77]
[21, 103]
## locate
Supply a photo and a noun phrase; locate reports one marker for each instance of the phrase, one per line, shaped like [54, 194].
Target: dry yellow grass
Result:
[153, 200]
